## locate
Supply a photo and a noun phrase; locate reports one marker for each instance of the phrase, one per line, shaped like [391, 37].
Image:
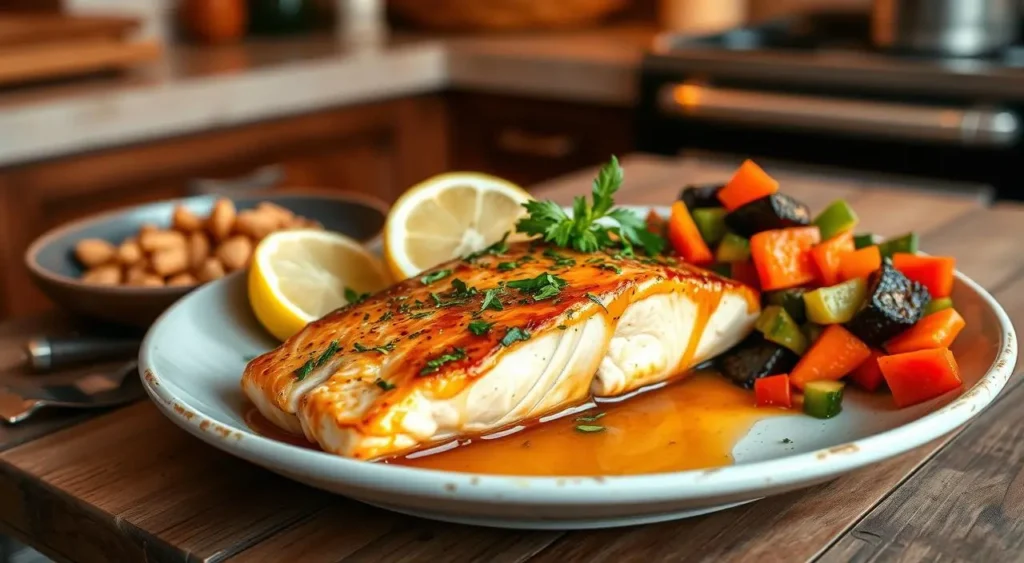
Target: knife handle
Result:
[47, 353]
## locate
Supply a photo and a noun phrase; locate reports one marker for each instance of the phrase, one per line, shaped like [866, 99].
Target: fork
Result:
[92, 390]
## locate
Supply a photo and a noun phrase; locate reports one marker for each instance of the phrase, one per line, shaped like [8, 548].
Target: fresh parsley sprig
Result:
[582, 231]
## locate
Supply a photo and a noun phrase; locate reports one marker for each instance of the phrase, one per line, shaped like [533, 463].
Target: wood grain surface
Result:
[130, 486]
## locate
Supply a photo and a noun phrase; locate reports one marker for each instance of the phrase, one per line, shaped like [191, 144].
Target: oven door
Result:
[936, 138]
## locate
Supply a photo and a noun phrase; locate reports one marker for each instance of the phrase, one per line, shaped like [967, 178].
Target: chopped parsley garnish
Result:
[589, 428]
[597, 300]
[541, 287]
[433, 365]
[611, 267]
[589, 418]
[421, 315]
[385, 317]
[595, 260]
[385, 385]
[582, 231]
[436, 276]
[461, 290]
[437, 299]
[491, 301]
[562, 327]
[560, 259]
[496, 249]
[366, 317]
[404, 308]
[480, 328]
[416, 334]
[382, 349]
[514, 334]
[506, 266]
[318, 361]
[354, 297]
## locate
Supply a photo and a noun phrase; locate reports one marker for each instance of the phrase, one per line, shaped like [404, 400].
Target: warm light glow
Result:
[687, 95]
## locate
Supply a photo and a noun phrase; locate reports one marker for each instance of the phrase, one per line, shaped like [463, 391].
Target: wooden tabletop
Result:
[130, 486]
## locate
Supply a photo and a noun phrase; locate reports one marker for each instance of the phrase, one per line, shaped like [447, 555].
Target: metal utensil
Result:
[94, 389]
[959, 28]
[47, 353]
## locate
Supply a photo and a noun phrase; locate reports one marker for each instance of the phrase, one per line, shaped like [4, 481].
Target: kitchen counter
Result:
[193, 89]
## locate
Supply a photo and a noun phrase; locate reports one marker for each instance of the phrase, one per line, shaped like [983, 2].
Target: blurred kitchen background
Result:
[107, 103]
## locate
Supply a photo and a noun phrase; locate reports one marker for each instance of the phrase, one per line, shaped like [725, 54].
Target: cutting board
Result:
[47, 46]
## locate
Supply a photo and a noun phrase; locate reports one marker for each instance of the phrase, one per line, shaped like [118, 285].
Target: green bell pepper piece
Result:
[733, 248]
[938, 304]
[792, 300]
[906, 243]
[823, 398]
[777, 326]
[863, 240]
[837, 303]
[836, 218]
[711, 223]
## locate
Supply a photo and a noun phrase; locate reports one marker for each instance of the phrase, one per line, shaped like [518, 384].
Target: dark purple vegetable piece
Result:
[754, 358]
[776, 211]
[701, 196]
[894, 304]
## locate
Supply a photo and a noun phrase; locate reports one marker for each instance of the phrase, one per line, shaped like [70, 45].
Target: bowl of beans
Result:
[129, 265]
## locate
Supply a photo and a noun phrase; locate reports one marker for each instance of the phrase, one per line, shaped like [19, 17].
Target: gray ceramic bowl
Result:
[51, 263]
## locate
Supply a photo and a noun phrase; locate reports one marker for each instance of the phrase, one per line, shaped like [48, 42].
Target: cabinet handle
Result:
[536, 144]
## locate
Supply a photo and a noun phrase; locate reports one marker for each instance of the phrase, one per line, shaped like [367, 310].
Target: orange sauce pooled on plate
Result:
[692, 424]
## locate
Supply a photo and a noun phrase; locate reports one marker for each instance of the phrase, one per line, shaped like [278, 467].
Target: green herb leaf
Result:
[421, 315]
[589, 428]
[496, 249]
[560, 259]
[589, 418]
[562, 327]
[506, 266]
[597, 300]
[541, 287]
[491, 301]
[385, 385]
[318, 361]
[514, 334]
[435, 364]
[436, 276]
[460, 289]
[480, 328]
[634, 229]
[385, 317]
[611, 267]
[353, 297]
[416, 334]
[383, 349]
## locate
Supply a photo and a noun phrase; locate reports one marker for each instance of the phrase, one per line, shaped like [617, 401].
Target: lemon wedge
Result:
[449, 216]
[299, 276]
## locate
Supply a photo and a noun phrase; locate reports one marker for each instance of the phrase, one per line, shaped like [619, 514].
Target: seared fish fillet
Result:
[478, 345]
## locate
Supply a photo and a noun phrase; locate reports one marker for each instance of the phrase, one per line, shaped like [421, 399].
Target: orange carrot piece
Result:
[937, 330]
[933, 272]
[915, 377]
[685, 237]
[860, 263]
[868, 375]
[749, 182]
[783, 257]
[828, 255]
[833, 355]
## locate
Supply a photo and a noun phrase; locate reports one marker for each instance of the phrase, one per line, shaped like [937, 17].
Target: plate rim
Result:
[696, 484]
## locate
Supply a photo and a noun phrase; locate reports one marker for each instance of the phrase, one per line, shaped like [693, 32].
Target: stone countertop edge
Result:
[192, 90]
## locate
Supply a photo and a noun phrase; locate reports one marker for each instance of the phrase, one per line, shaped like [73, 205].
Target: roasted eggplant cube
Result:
[753, 359]
[893, 304]
[776, 211]
[702, 196]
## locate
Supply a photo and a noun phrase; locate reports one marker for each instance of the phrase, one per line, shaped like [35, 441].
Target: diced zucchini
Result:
[792, 300]
[723, 269]
[837, 303]
[812, 331]
[711, 223]
[905, 243]
[936, 305]
[863, 240]
[777, 326]
[733, 248]
[823, 399]
[836, 218]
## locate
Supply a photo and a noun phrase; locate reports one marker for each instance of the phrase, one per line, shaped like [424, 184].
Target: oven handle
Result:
[972, 126]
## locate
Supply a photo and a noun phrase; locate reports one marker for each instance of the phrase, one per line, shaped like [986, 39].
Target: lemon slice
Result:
[300, 276]
[448, 216]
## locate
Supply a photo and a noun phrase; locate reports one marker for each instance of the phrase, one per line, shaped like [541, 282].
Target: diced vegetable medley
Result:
[838, 307]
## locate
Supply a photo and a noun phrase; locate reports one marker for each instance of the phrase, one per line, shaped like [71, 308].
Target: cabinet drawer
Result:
[527, 140]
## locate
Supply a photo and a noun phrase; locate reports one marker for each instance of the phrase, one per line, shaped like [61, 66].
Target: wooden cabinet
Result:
[530, 140]
[378, 149]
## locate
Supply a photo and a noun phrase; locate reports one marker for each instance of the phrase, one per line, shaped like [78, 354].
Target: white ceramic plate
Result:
[193, 357]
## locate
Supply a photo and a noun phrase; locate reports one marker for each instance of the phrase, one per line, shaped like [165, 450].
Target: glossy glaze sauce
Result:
[691, 424]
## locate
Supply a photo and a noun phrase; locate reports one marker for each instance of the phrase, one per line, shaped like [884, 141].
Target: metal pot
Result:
[960, 28]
